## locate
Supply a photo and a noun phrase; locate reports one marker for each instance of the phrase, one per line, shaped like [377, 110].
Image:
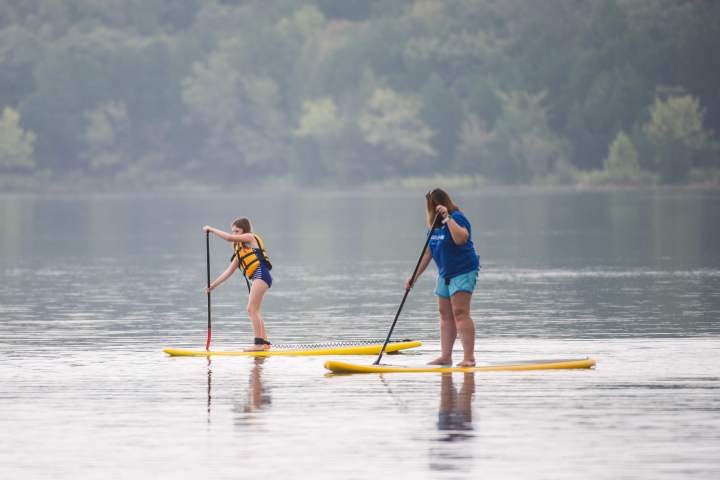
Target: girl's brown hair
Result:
[437, 197]
[244, 224]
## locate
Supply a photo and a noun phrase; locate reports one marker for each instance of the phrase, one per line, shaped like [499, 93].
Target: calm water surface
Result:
[93, 287]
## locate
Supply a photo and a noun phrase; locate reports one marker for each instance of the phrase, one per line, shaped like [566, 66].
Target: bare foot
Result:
[441, 361]
[466, 363]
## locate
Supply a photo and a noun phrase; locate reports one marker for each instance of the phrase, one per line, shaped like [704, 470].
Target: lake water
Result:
[93, 287]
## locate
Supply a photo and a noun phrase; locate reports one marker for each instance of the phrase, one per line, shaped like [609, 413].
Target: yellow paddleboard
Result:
[330, 348]
[522, 365]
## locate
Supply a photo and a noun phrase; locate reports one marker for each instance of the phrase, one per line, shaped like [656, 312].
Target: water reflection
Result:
[451, 451]
[258, 396]
[455, 415]
[398, 399]
[209, 387]
[633, 280]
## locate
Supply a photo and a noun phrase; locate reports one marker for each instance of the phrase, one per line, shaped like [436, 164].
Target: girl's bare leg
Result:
[257, 292]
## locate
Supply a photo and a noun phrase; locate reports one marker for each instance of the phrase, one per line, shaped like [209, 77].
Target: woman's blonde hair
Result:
[437, 197]
[244, 224]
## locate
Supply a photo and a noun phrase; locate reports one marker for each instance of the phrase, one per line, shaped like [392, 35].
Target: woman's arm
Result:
[224, 276]
[421, 268]
[458, 233]
[231, 237]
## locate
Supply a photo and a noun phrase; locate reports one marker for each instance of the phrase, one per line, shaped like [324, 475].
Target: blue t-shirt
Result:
[451, 259]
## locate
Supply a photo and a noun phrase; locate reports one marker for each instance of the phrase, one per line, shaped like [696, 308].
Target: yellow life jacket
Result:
[248, 260]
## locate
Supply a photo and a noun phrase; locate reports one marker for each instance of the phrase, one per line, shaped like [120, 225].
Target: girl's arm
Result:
[223, 276]
[427, 256]
[231, 237]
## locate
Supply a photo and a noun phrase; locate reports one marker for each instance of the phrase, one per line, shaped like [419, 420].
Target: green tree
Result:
[243, 86]
[88, 68]
[474, 143]
[319, 119]
[443, 113]
[19, 50]
[247, 128]
[521, 146]
[676, 132]
[391, 123]
[107, 138]
[611, 103]
[321, 134]
[16, 144]
[622, 160]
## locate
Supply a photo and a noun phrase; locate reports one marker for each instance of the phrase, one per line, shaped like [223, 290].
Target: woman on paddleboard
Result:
[250, 255]
[457, 262]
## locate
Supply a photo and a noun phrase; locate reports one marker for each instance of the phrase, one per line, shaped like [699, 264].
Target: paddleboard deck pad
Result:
[520, 365]
[350, 347]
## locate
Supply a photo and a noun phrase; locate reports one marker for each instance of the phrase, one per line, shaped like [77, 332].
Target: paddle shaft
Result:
[247, 282]
[207, 254]
[407, 291]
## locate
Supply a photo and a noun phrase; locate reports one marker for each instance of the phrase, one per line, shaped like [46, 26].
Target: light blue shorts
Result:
[465, 282]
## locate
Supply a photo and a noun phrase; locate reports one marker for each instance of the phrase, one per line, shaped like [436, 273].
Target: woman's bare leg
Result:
[448, 332]
[465, 326]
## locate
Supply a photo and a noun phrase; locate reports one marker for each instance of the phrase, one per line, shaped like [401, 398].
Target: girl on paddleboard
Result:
[250, 255]
[457, 262]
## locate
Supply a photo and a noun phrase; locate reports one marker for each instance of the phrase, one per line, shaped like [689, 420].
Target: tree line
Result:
[323, 92]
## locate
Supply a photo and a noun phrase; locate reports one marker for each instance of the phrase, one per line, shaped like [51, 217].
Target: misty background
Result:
[146, 94]
[126, 125]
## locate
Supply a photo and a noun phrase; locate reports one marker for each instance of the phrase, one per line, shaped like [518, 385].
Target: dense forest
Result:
[329, 92]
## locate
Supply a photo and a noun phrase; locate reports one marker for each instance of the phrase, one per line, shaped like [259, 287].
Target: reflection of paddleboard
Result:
[350, 347]
[520, 365]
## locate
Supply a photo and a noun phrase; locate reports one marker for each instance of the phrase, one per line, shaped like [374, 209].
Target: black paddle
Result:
[407, 291]
[207, 251]
[247, 282]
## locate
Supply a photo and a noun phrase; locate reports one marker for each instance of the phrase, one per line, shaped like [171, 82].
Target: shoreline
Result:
[369, 189]
[11, 185]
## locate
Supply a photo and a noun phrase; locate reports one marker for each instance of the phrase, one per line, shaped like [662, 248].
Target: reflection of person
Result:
[455, 425]
[257, 397]
[457, 262]
[456, 408]
[251, 257]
